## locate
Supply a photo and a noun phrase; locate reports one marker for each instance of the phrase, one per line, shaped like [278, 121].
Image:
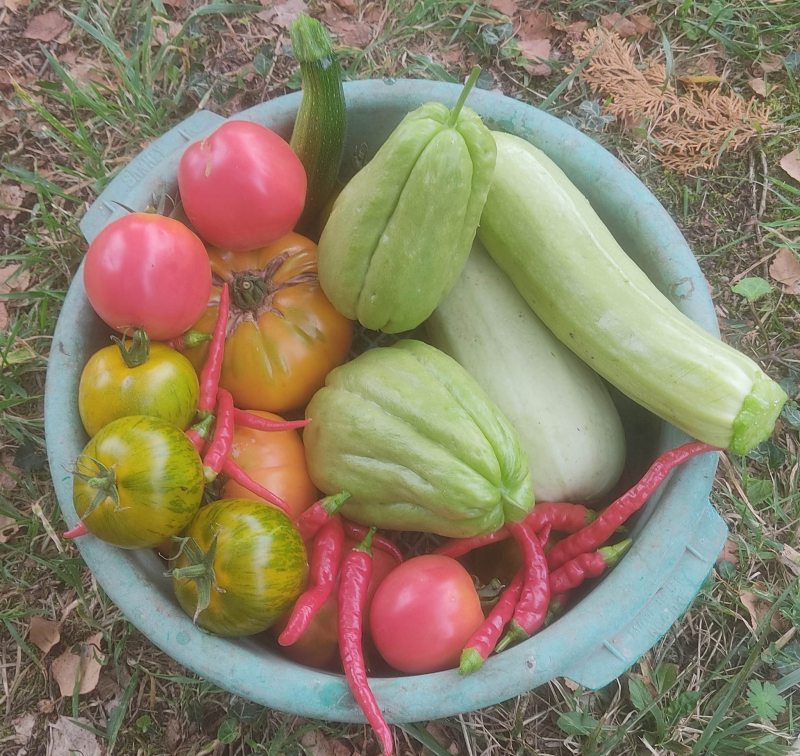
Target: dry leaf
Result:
[349, 32]
[45, 706]
[571, 684]
[43, 633]
[175, 3]
[642, 23]
[12, 280]
[536, 25]
[8, 471]
[791, 163]
[758, 86]
[506, 7]
[785, 269]
[791, 558]
[173, 735]
[3, 326]
[14, 5]
[65, 667]
[730, 552]
[68, 738]
[440, 735]
[316, 743]
[348, 6]
[622, 26]
[11, 197]
[161, 35]
[577, 28]
[758, 608]
[8, 525]
[536, 49]
[283, 14]
[23, 728]
[47, 27]
[770, 63]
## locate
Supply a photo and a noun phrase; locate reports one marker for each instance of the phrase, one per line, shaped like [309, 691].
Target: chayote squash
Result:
[400, 231]
[417, 443]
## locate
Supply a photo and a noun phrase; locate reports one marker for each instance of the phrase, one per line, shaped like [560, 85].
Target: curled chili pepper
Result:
[531, 609]
[589, 565]
[223, 438]
[212, 367]
[457, 547]
[325, 560]
[198, 433]
[234, 472]
[564, 517]
[319, 513]
[357, 532]
[249, 420]
[598, 532]
[188, 340]
[484, 639]
[79, 530]
[356, 574]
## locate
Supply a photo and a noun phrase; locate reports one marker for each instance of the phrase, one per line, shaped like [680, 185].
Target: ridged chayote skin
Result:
[401, 230]
[417, 443]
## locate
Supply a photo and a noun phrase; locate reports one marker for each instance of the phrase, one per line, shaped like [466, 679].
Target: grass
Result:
[722, 680]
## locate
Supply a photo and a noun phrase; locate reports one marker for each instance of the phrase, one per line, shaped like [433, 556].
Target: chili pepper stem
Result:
[332, 504]
[612, 554]
[471, 661]
[514, 634]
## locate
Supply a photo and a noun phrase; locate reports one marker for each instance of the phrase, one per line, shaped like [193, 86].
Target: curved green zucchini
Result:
[560, 408]
[569, 268]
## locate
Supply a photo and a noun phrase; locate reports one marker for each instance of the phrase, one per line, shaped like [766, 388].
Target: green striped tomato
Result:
[260, 566]
[151, 475]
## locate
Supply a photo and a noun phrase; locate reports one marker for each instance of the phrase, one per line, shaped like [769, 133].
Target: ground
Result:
[85, 85]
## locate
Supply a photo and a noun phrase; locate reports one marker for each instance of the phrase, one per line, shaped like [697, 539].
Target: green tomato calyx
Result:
[249, 291]
[137, 351]
[200, 569]
[103, 479]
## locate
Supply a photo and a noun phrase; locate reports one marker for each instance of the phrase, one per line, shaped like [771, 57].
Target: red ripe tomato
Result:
[318, 646]
[423, 613]
[242, 187]
[148, 271]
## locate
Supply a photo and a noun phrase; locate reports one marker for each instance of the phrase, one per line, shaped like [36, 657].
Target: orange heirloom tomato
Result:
[277, 461]
[284, 336]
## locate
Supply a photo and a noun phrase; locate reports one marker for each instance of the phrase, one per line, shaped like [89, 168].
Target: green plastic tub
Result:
[676, 539]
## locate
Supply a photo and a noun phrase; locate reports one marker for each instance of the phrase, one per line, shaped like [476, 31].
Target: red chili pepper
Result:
[319, 513]
[564, 517]
[249, 420]
[531, 609]
[356, 574]
[198, 433]
[484, 639]
[544, 535]
[328, 545]
[223, 437]
[79, 530]
[379, 542]
[188, 340]
[596, 534]
[590, 565]
[234, 472]
[457, 547]
[212, 368]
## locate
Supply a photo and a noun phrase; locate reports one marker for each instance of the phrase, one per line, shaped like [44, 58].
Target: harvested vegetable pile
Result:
[414, 437]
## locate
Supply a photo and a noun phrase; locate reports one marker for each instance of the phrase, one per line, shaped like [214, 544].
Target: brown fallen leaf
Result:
[47, 27]
[161, 35]
[759, 86]
[349, 32]
[536, 49]
[316, 743]
[172, 734]
[643, 23]
[791, 558]
[45, 706]
[282, 14]
[730, 552]
[348, 6]
[770, 63]
[23, 728]
[8, 525]
[43, 633]
[68, 738]
[11, 197]
[66, 667]
[9, 472]
[175, 3]
[535, 25]
[3, 326]
[622, 26]
[571, 684]
[506, 7]
[577, 27]
[442, 737]
[757, 608]
[14, 5]
[791, 163]
[785, 269]
[12, 279]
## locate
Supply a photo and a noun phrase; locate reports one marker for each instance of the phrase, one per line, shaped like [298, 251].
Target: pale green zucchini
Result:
[569, 427]
[566, 264]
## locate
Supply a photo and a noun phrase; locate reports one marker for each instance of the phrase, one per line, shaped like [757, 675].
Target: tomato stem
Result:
[104, 479]
[201, 570]
[139, 350]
